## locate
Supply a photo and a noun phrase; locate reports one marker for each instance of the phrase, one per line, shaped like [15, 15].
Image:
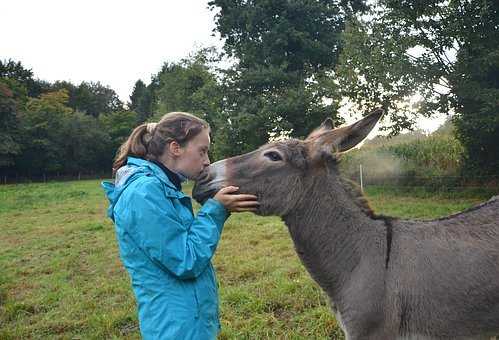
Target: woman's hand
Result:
[236, 202]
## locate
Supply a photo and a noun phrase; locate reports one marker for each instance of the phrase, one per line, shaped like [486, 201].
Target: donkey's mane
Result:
[355, 193]
[353, 190]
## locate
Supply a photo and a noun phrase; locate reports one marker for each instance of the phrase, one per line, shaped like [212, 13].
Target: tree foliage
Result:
[16, 71]
[142, 100]
[292, 64]
[89, 97]
[285, 53]
[12, 99]
[190, 85]
[56, 138]
[41, 125]
[118, 125]
[475, 85]
[443, 51]
[53, 128]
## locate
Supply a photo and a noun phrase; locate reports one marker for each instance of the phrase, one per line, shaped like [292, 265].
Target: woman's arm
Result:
[153, 223]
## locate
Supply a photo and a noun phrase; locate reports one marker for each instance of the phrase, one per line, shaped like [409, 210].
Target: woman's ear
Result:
[175, 149]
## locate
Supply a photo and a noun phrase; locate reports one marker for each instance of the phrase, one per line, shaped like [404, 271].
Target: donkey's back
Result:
[443, 277]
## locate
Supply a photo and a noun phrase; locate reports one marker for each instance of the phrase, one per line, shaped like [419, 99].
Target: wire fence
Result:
[57, 177]
[422, 181]
[363, 177]
[366, 178]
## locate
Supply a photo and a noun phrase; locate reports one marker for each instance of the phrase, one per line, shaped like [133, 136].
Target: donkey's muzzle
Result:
[202, 189]
[210, 181]
[202, 197]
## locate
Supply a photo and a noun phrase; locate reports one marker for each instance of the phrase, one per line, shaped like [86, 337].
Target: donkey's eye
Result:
[273, 156]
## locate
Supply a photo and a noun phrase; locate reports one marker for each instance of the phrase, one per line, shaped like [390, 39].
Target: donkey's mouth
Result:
[201, 195]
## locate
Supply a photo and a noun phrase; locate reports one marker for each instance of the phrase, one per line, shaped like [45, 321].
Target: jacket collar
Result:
[172, 176]
[155, 169]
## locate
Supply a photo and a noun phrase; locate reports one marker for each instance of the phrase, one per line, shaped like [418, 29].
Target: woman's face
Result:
[193, 157]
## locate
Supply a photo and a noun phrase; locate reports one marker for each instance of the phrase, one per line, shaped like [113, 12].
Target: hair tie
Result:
[149, 132]
[150, 127]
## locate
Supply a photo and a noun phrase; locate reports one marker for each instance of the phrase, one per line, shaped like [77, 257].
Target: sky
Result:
[114, 42]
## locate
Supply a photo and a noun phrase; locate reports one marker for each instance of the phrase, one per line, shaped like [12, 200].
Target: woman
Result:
[165, 248]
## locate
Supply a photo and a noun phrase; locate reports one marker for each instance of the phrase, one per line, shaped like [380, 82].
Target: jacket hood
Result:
[134, 169]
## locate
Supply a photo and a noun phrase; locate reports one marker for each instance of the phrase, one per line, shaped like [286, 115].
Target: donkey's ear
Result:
[327, 143]
[327, 125]
[349, 136]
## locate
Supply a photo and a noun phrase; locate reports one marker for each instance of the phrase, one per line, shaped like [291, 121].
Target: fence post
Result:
[361, 179]
[79, 175]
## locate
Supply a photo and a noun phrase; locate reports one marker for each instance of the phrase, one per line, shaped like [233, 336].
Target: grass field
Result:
[61, 277]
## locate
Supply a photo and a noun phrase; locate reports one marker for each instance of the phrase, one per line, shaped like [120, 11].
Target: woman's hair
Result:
[149, 140]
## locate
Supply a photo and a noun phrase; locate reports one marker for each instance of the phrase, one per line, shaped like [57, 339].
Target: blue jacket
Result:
[167, 252]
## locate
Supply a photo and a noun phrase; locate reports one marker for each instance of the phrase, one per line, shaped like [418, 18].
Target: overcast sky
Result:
[114, 42]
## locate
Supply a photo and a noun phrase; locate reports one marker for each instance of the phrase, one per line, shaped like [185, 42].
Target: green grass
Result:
[419, 203]
[61, 277]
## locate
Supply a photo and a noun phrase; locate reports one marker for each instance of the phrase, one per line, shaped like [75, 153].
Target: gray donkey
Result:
[386, 278]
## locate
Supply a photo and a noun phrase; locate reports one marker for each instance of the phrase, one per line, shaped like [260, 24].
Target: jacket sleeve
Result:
[156, 227]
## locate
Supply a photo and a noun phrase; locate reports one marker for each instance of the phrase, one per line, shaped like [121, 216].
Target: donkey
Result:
[386, 278]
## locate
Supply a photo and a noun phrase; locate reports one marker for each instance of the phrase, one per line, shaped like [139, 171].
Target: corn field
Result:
[412, 160]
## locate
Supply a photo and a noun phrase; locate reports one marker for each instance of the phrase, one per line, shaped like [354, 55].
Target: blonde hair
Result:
[149, 140]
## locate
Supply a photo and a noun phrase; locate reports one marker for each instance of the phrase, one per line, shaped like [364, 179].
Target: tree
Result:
[190, 85]
[12, 100]
[445, 51]
[41, 136]
[285, 53]
[91, 98]
[16, 71]
[141, 100]
[138, 92]
[56, 138]
[119, 125]
[87, 144]
[475, 85]
[70, 89]
[48, 128]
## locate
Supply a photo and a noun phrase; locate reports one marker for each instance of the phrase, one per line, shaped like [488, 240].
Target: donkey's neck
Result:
[333, 236]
